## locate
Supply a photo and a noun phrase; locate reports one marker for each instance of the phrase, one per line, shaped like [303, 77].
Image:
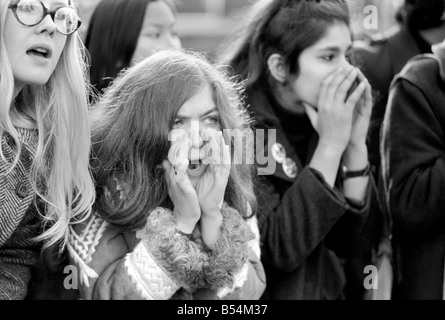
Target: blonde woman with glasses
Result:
[45, 138]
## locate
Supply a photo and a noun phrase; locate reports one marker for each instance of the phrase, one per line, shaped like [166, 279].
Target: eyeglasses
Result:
[32, 12]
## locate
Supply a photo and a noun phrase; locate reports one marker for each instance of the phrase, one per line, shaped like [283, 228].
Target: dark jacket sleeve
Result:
[346, 236]
[414, 154]
[294, 222]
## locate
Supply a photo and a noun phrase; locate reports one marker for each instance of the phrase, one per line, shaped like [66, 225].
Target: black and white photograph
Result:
[239, 151]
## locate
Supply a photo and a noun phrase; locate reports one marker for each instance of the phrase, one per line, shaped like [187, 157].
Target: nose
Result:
[170, 41]
[196, 135]
[174, 42]
[47, 25]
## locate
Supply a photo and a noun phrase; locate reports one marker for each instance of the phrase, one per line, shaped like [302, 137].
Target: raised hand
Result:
[212, 185]
[362, 114]
[333, 116]
[355, 157]
[333, 120]
[181, 192]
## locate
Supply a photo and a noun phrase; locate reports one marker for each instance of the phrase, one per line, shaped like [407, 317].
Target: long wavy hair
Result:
[131, 125]
[286, 27]
[112, 37]
[59, 111]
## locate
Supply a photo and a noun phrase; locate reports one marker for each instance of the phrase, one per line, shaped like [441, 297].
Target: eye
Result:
[154, 35]
[212, 120]
[328, 57]
[27, 7]
[61, 16]
[177, 124]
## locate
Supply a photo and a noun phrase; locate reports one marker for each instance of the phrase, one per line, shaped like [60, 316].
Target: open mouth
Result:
[39, 52]
[195, 165]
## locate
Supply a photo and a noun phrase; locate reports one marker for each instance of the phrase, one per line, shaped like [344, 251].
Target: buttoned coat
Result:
[307, 228]
[18, 217]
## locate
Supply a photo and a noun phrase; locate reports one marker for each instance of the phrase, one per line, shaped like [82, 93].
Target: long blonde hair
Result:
[60, 171]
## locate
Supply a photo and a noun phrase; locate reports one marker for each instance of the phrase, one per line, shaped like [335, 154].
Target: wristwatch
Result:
[346, 174]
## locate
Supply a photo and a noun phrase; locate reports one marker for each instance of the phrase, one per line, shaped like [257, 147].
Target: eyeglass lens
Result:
[32, 12]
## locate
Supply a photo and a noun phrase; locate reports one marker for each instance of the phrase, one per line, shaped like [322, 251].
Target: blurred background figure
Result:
[420, 24]
[413, 166]
[203, 24]
[122, 32]
[383, 55]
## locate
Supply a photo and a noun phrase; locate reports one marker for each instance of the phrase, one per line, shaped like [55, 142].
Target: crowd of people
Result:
[127, 156]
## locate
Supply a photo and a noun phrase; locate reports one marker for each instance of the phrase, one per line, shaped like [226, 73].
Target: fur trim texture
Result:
[231, 250]
[181, 258]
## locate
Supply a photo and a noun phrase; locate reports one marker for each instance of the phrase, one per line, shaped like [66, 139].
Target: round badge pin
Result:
[278, 152]
[290, 168]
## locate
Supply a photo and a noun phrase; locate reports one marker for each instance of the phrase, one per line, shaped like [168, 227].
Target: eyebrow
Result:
[182, 117]
[335, 49]
[62, 4]
[59, 4]
[160, 25]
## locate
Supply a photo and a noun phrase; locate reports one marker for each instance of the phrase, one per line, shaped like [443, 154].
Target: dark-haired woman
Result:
[122, 32]
[314, 199]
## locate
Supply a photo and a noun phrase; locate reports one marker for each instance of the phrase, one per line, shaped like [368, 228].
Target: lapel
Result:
[282, 160]
[439, 53]
[12, 206]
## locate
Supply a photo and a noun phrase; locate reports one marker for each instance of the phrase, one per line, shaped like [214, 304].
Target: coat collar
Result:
[261, 103]
[439, 52]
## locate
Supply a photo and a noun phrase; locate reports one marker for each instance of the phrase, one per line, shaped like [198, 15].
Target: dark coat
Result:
[413, 165]
[305, 226]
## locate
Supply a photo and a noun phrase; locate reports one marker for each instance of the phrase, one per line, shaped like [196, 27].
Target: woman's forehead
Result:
[336, 36]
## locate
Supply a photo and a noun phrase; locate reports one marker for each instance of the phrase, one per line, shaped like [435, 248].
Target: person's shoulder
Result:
[421, 68]
[421, 74]
[428, 60]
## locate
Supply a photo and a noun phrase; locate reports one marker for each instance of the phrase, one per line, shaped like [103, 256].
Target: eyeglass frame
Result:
[46, 12]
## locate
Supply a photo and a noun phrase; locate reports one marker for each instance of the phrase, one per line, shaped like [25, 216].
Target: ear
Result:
[277, 67]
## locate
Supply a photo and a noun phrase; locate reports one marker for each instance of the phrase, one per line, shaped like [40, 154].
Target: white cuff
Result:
[151, 281]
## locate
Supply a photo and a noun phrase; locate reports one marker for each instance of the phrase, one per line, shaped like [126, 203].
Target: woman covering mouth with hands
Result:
[198, 169]
[292, 56]
[173, 217]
